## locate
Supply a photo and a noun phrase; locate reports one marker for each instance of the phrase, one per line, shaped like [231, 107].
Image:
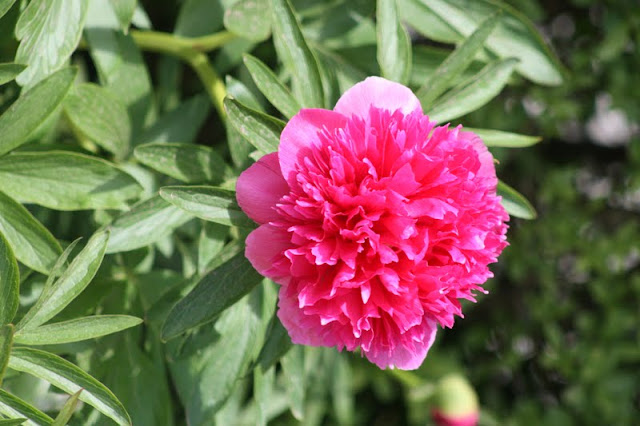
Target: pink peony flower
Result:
[375, 223]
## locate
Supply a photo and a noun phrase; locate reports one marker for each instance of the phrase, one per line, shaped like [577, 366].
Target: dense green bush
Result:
[135, 148]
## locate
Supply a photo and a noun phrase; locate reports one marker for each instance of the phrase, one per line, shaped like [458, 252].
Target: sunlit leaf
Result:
[502, 139]
[32, 243]
[9, 283]
[100, 116]
[72, 282]
[66, 376]
[186, 162]
[471, 95]
[208, 203]
[66, 181]
[456, 63]
[296, 55]
[215, 292]
[261, 130]
[32, 108]
[146, 223]
[124, 10]
[67, 410]
[75, 330]
[49, 31]
[13, 407]
[516, 36]
[394, 45]
[9, 71]
[247, 19]
[6, 343]
[271, 87]
[515, 203]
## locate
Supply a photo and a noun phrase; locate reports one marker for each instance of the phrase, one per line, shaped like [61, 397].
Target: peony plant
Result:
[191, 222]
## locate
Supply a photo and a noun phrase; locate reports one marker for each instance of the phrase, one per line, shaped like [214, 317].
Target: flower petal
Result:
[260, 187]
[380, 93]
[265, 248]
[301, 133]
[404, 357]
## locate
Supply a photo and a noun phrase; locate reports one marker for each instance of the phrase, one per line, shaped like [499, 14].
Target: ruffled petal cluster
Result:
[375, 222]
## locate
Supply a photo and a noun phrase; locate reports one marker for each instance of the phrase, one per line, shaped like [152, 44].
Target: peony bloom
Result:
[375, 223]
[456, 403]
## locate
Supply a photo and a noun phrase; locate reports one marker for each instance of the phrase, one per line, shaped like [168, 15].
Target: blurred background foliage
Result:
[555, 342]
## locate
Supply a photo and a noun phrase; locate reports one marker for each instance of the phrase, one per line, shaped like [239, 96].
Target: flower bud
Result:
[456, 403]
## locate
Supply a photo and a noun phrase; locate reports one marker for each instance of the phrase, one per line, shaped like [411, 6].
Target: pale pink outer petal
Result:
[303, 329]
[301, 133]
[264, 249]
[402, 357]
[487, 168]
[380, 93]
[260, 187]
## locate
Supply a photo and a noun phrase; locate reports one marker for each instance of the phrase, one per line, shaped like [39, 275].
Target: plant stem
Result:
[170, 43]
[192, 51]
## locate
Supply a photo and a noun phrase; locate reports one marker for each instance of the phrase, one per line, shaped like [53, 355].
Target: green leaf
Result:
[181, 124]
[247, 19]
[472, 94]
[12, 422]
[124, 10]
[261, 130]
[516, 36]
[271, 87]
[69, 378]
[49, 31]
[502, 139]
[342, 391]
[263, 389]
[293, 371]
[33, 108]
[276, 344]
[421, 18]
[215, 292]
[67, 410]
[58, 269]
[14, 407]
[100, 116]
[456, 63]
[199, 17]
[75, 330]
[6, 343]
[9, 71]
[146, 222]
[239, 147]
[296, 55]
[214, 358]
[5, 5]
[394, 45]
[66, 181]
[208, 203]
[210, 243]
[32, 243]
[146, 395]
[186, 162]
[9, 282]
[72, 282]
[121, 69]
[515, 203]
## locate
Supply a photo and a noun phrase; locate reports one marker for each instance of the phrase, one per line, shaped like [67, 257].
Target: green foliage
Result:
[136, 149]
